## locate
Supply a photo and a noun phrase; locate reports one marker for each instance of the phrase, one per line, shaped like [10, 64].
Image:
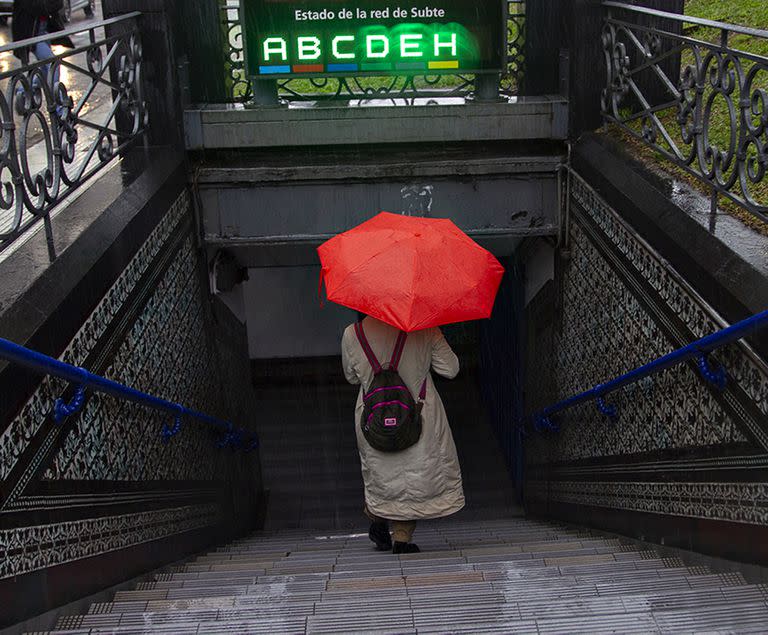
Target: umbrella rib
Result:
[414, 262]
[472, 284]
[434, 313]
[360, 265]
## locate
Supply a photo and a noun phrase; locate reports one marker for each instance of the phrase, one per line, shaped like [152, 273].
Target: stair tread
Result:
[596, 614]
[511, 575]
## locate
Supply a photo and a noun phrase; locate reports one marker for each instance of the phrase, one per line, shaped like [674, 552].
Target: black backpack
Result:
[391, 418]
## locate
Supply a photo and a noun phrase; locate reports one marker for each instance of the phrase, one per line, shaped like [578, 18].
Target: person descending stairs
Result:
[510, 575]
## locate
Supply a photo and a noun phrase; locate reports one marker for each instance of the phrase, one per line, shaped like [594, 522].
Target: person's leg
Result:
[402, 530]
[402, 533]
[378, 531]
[20, 90]
[41, 51]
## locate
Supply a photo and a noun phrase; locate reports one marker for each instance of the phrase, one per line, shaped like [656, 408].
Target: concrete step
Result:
[305, 540]
[509, 578]
[676, 610]
[509, 575]
[566, 543]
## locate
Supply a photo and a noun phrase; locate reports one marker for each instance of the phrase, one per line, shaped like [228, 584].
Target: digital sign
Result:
[291, 38]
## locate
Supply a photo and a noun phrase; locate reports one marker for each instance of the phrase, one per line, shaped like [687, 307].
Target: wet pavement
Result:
[77, 83]
[9, 62]
[748, 243]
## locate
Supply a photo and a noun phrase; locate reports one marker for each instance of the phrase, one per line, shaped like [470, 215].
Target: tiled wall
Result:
[680, 447]
[104, 482]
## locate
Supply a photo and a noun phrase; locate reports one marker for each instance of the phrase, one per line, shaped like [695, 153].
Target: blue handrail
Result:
[83, 379]
[695, 350]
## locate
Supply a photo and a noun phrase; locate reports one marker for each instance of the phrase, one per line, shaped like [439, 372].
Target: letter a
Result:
[277, 46]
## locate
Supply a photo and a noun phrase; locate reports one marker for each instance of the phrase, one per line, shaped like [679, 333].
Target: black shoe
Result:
[405, 547]
[379, 533]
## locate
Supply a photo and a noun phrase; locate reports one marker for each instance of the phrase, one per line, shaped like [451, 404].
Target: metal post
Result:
[265, 92]
[487, 87]
[564, 73]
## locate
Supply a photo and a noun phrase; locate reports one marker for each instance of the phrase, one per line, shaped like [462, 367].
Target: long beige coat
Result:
[423, 481]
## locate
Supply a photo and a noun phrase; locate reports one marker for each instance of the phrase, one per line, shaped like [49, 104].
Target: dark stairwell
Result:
[310, 463]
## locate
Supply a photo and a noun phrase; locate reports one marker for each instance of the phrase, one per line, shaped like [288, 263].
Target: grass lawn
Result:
[722, 135]
[752, 13]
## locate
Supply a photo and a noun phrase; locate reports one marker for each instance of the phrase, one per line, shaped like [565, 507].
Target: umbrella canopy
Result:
[410, 272]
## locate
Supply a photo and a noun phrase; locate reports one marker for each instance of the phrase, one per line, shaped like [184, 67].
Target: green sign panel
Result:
[295, 38]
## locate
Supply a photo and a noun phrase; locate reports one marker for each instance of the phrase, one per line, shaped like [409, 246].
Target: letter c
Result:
[335, 47]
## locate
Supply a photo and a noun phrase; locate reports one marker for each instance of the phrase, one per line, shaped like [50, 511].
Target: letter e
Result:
[409, 45]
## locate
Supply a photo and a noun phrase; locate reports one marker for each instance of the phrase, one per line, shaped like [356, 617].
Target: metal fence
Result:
[699, 101]
[64, 117]
[240, 86]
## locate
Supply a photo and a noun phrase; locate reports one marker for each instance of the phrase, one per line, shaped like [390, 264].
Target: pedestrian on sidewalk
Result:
[36, 18]
[424, 480]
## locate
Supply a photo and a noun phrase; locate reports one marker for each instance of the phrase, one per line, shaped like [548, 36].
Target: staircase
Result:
[511, 575]
[485, 570]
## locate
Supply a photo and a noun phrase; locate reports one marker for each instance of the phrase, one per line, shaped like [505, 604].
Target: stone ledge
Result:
[406, 168]
[523, 118]
[36, 291]
[720, 270]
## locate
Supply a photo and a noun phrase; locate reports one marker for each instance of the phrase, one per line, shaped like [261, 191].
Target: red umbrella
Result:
[410, 272]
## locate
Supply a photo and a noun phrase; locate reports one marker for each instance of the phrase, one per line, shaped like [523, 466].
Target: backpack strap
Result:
[360, 332]
[397, 354]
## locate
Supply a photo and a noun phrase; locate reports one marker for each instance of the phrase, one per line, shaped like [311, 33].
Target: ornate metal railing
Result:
[64, 117]
[698, 351]
[240, 87]
[700, 102]
[82, 380]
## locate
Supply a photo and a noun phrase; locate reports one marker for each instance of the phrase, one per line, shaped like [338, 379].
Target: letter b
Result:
[309, 48]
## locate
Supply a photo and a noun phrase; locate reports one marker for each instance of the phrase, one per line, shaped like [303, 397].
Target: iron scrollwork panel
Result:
[55, 136]
[711, 119]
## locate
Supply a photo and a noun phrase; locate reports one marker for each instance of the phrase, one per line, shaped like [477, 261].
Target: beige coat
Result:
[423, 481]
